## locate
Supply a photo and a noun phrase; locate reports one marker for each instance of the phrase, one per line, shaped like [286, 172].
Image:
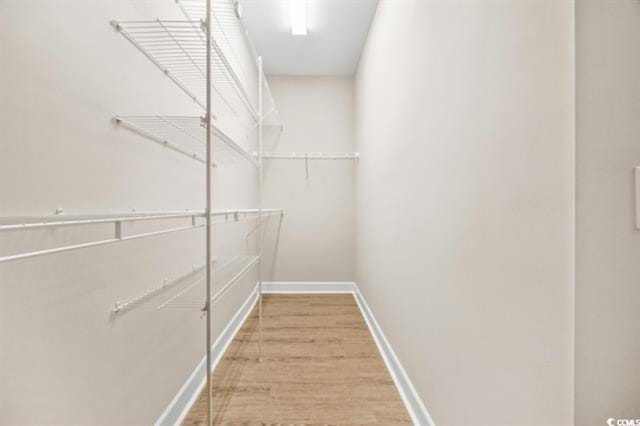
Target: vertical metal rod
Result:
[260, 239]
[209, 256]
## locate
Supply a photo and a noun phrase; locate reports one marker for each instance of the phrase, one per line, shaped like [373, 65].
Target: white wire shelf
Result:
[151, 292]
[179, 49]
[186, 135]
[229, 32]
[225, 278]
[223, 12]
[227, 29]
[179, 292]
[310, 155]
[195, 221]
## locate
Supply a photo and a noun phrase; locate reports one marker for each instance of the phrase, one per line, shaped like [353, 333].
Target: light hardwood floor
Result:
[320, 366]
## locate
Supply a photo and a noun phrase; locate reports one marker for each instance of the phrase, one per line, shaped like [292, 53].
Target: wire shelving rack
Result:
[179, 50]
[187, 135]
[203, 56]
[181, 292]
[207, 56]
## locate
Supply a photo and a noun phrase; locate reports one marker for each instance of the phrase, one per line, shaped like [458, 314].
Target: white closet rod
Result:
[227, 215]
[311, 155]
[55, 221]
[308, 156]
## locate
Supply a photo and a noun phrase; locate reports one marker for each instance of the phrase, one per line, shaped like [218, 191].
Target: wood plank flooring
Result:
[320, 366]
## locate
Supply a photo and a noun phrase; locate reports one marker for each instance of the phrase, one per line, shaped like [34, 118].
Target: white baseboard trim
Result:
[292, 287]
[177, 410]
[187, 395]
[414, 405]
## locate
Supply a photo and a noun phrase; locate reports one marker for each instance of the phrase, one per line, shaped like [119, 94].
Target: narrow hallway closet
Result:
[229, 202]
[319, 212]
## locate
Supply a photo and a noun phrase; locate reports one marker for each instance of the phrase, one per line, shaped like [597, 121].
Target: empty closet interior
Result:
[157, 214]
[319, 212]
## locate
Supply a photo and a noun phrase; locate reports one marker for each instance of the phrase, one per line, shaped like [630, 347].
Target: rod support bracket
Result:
[204, 309]
[118, 229]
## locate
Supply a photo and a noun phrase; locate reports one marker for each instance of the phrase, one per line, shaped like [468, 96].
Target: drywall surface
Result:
[607, 242]
[465, 211]
[65, 358]
[317, 237]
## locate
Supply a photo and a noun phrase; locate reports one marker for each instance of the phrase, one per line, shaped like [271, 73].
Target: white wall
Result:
[64, 73]
[608, 245]
[464, 209]
[317, 237]
[465, 125]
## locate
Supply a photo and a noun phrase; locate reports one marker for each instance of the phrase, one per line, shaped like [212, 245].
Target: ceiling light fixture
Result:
[298, 9]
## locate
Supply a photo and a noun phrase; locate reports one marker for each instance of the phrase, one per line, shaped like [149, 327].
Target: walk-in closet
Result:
[336, 212]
